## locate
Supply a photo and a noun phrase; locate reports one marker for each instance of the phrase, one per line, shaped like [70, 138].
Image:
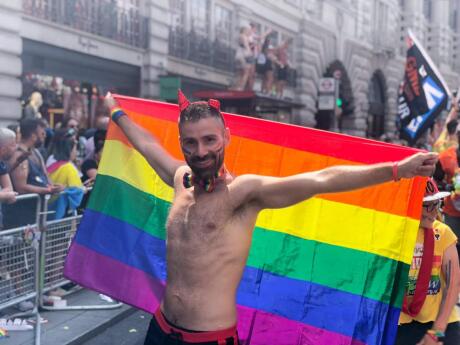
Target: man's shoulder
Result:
[18, 158]
[242, 186]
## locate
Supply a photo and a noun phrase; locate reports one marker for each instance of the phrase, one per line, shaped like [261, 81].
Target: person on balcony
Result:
[32, 110]
[283, 67]
[244, 59]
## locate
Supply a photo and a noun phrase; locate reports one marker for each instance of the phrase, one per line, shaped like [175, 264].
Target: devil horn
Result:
[214, 103]
[183, 101]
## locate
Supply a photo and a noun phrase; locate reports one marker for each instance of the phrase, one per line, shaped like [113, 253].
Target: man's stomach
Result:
[200, 308]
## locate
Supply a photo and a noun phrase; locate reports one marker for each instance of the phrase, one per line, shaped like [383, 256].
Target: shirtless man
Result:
[210, 223]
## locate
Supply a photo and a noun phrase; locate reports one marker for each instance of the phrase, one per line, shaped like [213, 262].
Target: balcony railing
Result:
[194, 47]
[99, 17]
[189, 45]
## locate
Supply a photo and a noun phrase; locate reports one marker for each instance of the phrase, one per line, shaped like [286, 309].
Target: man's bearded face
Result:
[203, 145]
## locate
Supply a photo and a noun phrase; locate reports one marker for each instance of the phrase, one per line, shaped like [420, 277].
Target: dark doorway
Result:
[377, 106]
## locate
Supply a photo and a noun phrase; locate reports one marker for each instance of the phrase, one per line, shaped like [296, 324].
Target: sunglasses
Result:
[430, 207]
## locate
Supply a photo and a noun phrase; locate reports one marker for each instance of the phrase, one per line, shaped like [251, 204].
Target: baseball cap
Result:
[432, 192]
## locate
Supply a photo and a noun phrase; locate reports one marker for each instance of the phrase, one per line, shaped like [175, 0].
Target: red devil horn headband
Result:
[214, 103]
[183, 101]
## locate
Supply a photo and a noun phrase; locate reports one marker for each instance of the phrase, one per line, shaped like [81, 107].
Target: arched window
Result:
[377, 105]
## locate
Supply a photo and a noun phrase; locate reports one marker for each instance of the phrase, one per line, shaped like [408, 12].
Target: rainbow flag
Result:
[330, 270]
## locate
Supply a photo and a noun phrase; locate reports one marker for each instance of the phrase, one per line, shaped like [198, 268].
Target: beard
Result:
[38, 144]
[210, 171]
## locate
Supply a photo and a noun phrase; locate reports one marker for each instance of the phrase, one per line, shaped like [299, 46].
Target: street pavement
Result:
[72, 327]
[130, 331]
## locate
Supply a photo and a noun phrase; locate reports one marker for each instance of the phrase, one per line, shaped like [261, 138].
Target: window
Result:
[454, 19]
[427, 10]
[381, 10]
[199, 17]
[223, 24]
[177, 20]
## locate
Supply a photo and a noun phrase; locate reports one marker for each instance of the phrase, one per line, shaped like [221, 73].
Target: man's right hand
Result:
[419, 164]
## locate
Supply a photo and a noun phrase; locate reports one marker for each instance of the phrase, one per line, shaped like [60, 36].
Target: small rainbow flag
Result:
[330, 270]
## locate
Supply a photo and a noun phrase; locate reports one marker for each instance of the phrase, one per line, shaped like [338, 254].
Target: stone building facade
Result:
[196, 40]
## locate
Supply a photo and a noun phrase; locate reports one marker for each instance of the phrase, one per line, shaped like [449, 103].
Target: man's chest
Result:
[196, 219]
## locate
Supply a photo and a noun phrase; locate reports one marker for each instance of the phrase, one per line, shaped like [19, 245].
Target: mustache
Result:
[198, 159]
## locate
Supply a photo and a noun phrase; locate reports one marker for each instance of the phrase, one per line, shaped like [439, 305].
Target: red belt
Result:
[196, 337]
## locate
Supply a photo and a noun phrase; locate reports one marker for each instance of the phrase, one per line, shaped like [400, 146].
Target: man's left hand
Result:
[419, 164]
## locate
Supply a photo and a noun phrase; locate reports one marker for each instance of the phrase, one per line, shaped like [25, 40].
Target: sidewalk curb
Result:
[93, 332]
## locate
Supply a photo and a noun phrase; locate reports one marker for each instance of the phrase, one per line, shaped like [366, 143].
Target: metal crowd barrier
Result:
[32, 260]
[19, 271]
[55, 242]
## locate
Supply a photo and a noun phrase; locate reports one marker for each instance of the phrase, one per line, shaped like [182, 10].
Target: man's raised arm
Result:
[272, 192]
[160, 160]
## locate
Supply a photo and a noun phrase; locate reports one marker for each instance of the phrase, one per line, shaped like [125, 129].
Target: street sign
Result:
[326, 102]
[326, 85]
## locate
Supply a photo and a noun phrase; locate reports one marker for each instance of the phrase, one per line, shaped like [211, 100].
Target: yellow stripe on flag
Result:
[360, 228]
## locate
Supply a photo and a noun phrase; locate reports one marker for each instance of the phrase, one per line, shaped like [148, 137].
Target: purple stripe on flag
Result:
[102, 274]
[268, 328]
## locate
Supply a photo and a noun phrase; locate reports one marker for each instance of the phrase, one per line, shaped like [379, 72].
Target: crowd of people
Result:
[35, 158]
[256, 54]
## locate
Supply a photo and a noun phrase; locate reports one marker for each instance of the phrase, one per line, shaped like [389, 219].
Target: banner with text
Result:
[423, 93]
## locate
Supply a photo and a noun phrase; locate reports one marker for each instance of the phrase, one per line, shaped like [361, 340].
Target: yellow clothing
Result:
[443, 238]
[443, 143]
[66, 175]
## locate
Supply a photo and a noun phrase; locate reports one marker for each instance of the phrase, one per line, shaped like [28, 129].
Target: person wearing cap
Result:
[428, 314]
[448, 137]
[210, 222]
[450, 175]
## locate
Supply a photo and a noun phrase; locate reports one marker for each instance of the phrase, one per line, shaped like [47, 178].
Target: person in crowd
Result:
[201, 297]
[15, 128]
[449, 175]
[32, 110]
[428, 315]
[71, 122]
[102, 124]
[448, 137]
[8, 197]
[7, 149]
[64, 172]
[90, 165]
[57, 137]
[28, 172]
[244, 59]
[76, 105]
[283, 67]
[89, 172]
